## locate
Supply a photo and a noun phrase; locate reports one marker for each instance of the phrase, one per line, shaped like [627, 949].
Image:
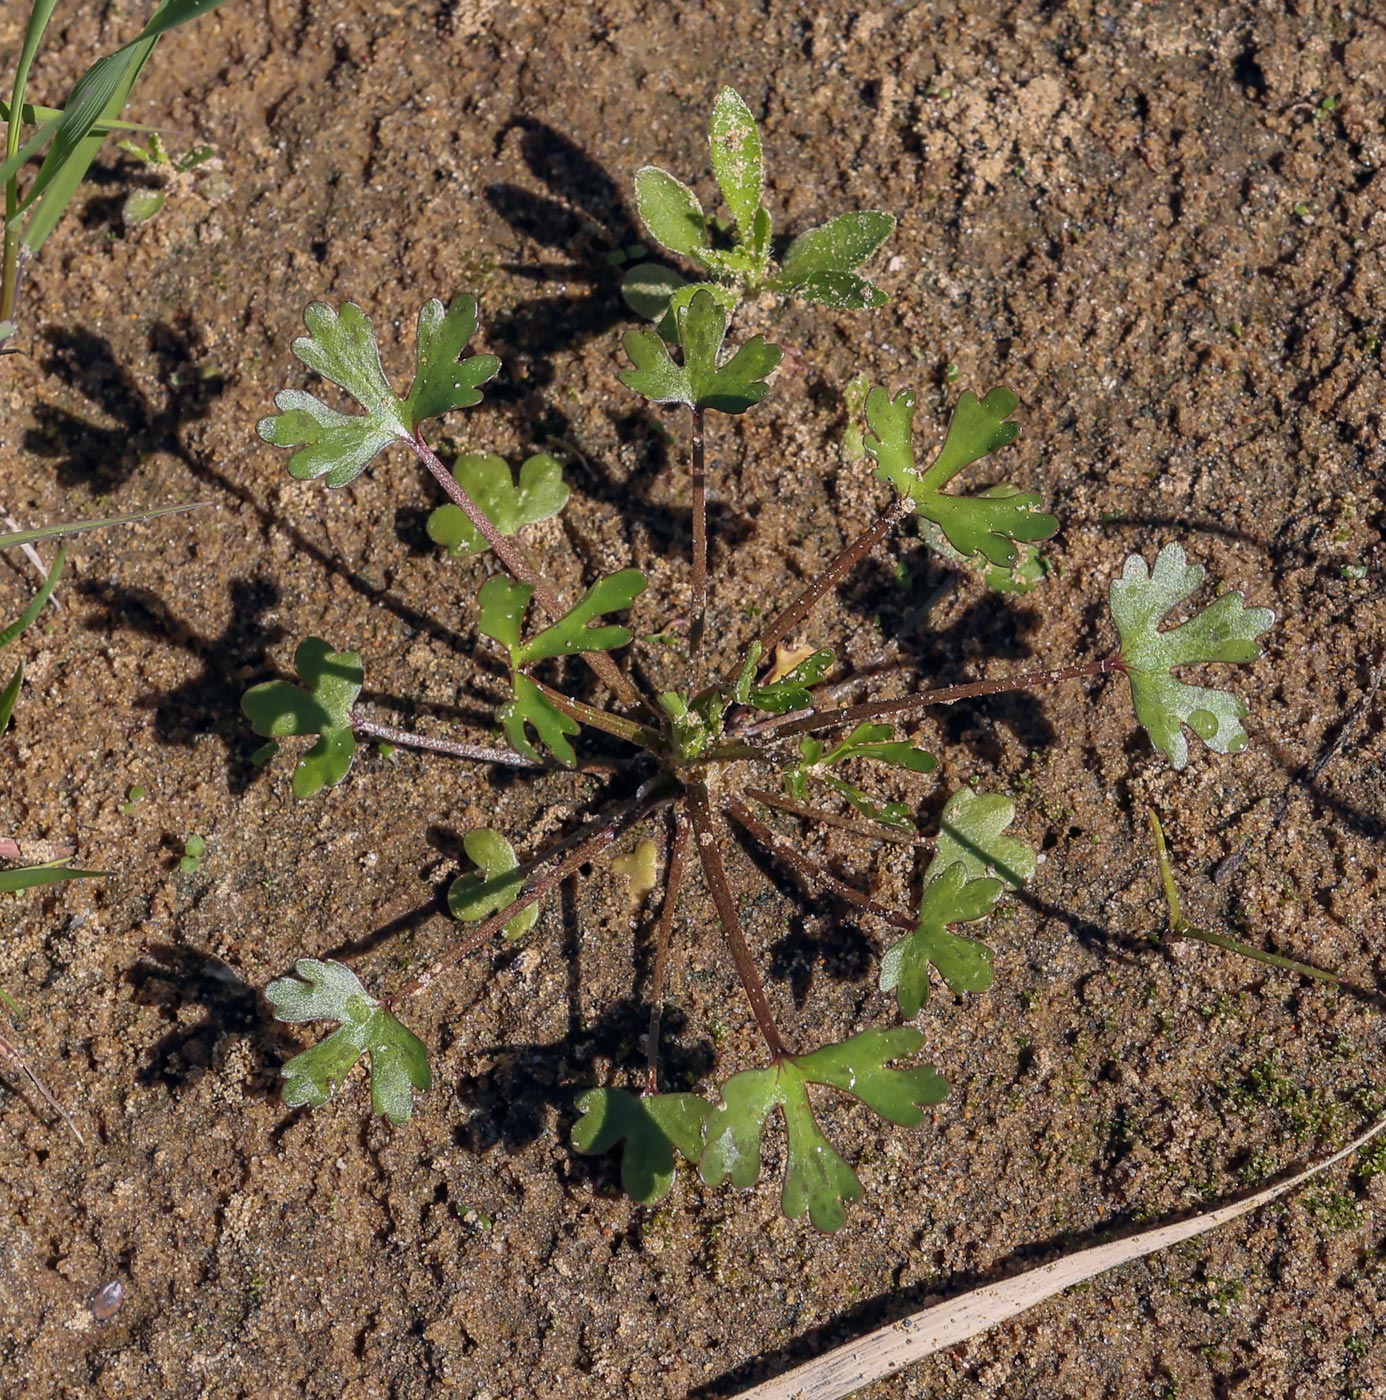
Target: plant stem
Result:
[1180, 927]
[604, 720]
[1218, 940]
[854, 825]
[841, 565]
[514, 560]
[678, 859]
[482, 752]
[9, 277]
[710, 857]
[945, 695]
[604, 831]
[810, 870]
[697, 603]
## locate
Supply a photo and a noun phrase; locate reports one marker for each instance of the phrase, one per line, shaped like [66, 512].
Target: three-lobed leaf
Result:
[1224, 631]
[974, 862]
[504, 603]
[990, 523]
[341, 346]
[529, 708]
[652, 1126]
[442, 379]
[701, 380]
[510, 505]
[574, 632]
[277, 709]
[817, 1179]
[328, 991]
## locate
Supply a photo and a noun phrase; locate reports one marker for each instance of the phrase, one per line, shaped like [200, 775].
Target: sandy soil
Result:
[1164, 228]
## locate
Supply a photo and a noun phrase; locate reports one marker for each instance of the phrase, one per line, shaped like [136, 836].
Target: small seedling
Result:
[141, 205]
[719, 744]
[194, 848]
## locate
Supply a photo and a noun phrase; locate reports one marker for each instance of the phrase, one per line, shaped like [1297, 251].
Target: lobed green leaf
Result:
[861, 1067]
[328, 991]
[1028, 571]
[530, 708]
[974, 862]
[509, 505]
[341, 346]
[978, 428]
[1225, 631]
[652, 1126]
[573, 633]
[503, 604]
[989, 523]
[277, 709]
[442, 380]
[700, 381]
[817, 1180]
[972, 833]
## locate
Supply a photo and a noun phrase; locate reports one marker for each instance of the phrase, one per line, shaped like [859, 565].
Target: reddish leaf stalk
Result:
[597, 718]
[840, 566]
[945, 695]
[862, 827]
[483, 753]
[678, 859]
[710, 858]
[809, 870]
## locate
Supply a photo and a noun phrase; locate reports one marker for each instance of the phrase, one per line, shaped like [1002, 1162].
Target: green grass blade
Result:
[77, 527]
[31, 876]
[107, 87]
[39, 16]
[36, 606]
[9, 695]
[28, 150]
[35, 113]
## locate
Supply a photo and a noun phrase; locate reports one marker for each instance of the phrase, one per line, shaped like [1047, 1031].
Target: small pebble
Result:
[106, 1301]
